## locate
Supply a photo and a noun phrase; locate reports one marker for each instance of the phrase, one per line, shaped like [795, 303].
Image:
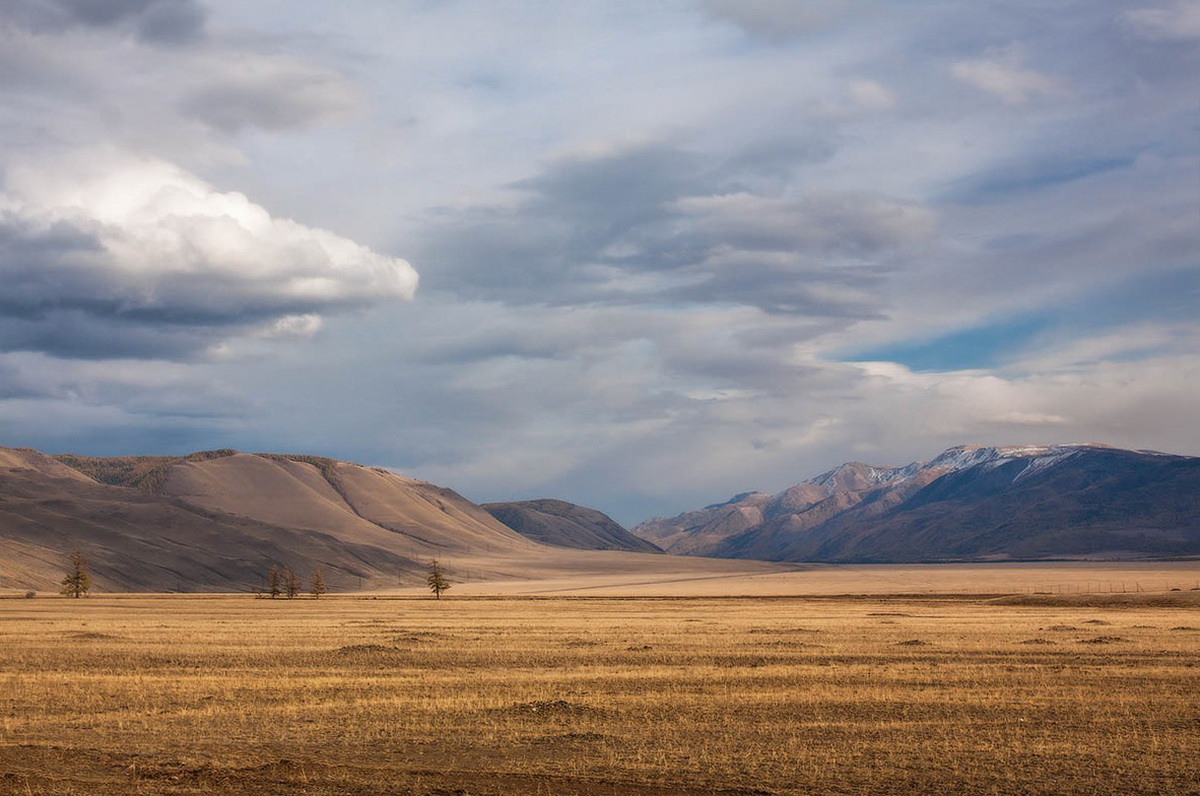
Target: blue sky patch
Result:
[968, 349]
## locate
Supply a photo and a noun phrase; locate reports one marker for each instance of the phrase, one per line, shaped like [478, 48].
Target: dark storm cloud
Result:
[84, 333]
[155, 21]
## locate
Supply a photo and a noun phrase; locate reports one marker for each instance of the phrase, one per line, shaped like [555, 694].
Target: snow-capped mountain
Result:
[970, 502]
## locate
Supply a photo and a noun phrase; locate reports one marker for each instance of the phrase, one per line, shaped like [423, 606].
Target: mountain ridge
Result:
[564, 524]
[971, 502]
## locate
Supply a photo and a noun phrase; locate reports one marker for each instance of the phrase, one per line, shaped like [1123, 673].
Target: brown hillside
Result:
[217, 521]
[348, 501]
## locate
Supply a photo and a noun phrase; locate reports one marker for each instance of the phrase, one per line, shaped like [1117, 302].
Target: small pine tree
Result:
[291, 583]
[436, 579]
[317, 587]
[77, 583]
[273, 582]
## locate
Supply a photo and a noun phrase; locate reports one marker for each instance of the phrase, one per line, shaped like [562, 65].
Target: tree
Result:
[273, 582]
[77, 583]
[436, 579]
[291, 583]
[318, 584]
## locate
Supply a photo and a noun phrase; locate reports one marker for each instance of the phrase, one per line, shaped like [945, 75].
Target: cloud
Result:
[778, 19]
[649, 223]
[154, 21]
[293, 326]
[1177, 21]
[1002, 73]
[849, 226]
[271, 93]
[104, 253]
[858, 98]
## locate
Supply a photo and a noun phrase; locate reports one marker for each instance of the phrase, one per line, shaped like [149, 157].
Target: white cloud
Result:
[119, 238]
[859, 98]
[869, 95]
[1002, 73]
[294, 326]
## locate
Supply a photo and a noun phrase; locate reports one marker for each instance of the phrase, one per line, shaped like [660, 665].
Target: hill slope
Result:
[219, 520]
[969, 503]
[136, 540]
[564, 524]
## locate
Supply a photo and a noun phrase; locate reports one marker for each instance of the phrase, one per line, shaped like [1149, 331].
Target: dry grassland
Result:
[233, 695]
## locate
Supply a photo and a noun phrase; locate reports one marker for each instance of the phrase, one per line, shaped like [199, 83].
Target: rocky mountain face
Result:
[557, 522]
[969, 503]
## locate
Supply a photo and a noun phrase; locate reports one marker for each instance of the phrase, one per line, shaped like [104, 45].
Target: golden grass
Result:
[225, 695]
[681, 576]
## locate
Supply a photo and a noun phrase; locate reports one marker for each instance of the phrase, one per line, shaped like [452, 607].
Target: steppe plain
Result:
[1007, 679]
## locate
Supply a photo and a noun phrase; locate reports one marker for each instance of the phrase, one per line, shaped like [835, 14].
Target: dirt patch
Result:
[1103, 640]
[550, 708]
[1185, 627]
[1096, 622]
[365, 649]
[888, 613]
[784, 630]
[417, 638]
[85, 635]
[913, 642]
[1037, 641]
[1062, 628]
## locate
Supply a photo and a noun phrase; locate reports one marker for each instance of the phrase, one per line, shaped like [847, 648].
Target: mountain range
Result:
[218, 520]
[971, 503]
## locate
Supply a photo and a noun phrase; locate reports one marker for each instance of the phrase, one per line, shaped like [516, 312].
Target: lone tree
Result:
[77, 583]
[317, 587]
[291, 583]
[273, 582]
[436, 580]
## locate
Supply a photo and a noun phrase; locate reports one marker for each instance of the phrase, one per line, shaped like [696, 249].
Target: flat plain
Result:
[1070, 693]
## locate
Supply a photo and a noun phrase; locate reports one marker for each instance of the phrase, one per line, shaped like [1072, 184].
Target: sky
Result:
[637, 255]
